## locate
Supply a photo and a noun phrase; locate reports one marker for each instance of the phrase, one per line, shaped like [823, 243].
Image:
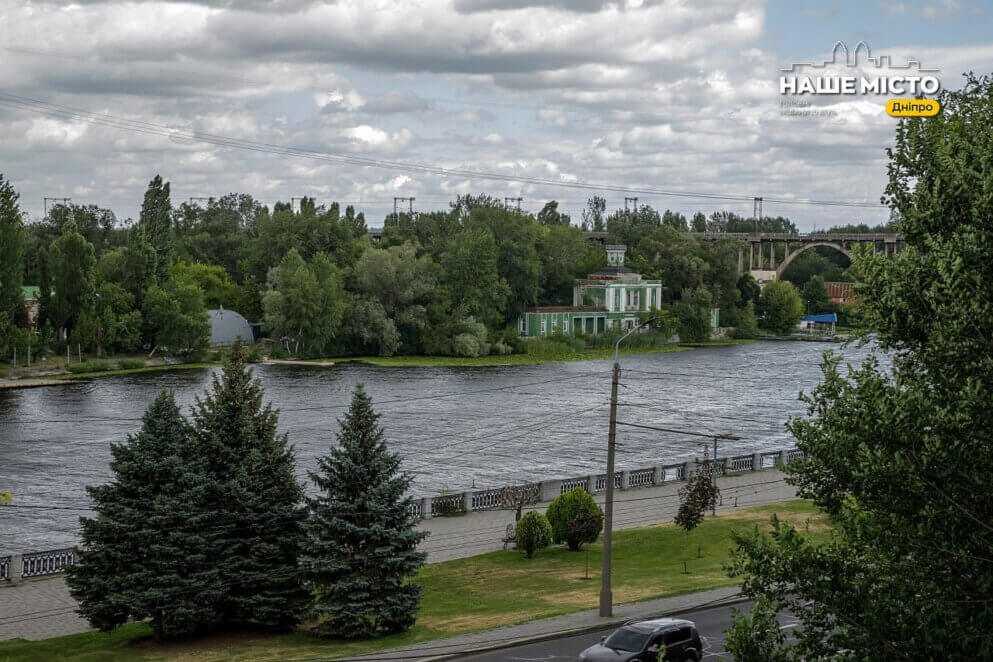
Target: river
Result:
[456, 427]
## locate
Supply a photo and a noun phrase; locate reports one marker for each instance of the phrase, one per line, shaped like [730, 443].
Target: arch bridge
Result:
[770, 253]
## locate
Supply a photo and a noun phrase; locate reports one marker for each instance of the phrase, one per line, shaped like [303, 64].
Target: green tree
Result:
[756, 636]
[155, 222]
[693, 313]
[575, 518]
[368, 329]
[748, 326]
[697, 496]
[175, 313]
[255, 504]
[565, 254]
[142, 555]
[780, 307]
[815, 295]
[131, 266]
[305, 301]
[12, 241]
[470, 273]
[898, 455]
[113, 323]
[699, 222]
[361, 552]
[215, 283]
[402, 283]
[550, 215]
[594, 215]
[71, 262]
[533, 532]
[748, 289]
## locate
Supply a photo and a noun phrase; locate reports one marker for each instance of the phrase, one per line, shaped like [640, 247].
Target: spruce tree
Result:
[142, 554]
[256, 504]
[361, 546]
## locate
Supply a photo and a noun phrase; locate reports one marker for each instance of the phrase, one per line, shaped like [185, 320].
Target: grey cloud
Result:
[397, 102]
[579, 6]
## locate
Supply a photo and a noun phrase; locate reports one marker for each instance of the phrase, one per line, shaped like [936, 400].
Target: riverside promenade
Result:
[42, 608]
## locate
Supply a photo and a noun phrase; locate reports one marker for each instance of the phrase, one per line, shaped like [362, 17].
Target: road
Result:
[711, 623]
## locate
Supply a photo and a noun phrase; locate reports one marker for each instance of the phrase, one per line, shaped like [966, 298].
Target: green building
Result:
[608, 299]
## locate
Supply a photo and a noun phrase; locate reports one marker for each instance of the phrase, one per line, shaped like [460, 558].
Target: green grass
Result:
[132, 371]
[473, 594]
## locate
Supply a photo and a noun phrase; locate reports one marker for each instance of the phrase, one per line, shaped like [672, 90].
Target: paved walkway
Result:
[42, 608]
[480, 532]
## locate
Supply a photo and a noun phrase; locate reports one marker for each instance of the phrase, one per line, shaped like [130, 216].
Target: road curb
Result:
[614, 622]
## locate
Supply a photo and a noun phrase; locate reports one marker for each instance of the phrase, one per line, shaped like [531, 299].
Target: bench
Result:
[510, 535]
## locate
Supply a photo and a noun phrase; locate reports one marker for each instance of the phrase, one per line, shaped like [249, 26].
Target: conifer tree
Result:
[361, 545]
[256, 503]
[142, 554]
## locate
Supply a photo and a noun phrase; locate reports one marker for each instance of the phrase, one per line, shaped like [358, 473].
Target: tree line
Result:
[446, 282]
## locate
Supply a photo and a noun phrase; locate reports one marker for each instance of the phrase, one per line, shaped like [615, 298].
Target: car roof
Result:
[658, 624]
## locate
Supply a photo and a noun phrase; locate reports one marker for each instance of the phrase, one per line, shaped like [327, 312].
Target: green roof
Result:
[30, 292]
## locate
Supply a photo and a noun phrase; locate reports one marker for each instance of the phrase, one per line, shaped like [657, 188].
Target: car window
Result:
[676, 636]
[626, 639]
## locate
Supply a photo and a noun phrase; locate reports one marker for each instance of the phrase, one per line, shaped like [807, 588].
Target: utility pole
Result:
[757, 211]
[606, 595]
[508, 200]
[64, 201]
[713, 479]
[634, 205]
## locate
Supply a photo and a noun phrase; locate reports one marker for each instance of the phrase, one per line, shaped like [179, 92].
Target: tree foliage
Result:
[899, 456]
[697, 496]
[360, 552]
[142, 556]
[12, 242]
[177, 316]
[305, 301]
[533, 532]
[780, 307]
[254, 504]
[575, 518]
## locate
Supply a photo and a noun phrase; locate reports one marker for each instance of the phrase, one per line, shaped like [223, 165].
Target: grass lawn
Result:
[472, 594]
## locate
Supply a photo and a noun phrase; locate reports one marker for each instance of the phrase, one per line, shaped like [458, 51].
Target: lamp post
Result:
[606, 597]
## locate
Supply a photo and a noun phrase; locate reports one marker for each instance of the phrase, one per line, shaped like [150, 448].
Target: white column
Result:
[609, 294]
[658, 297]
[624, 301]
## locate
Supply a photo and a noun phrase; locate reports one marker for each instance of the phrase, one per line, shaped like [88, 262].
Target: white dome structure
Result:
[227, 326]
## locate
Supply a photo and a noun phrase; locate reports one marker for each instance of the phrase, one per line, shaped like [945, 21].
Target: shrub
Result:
[278, 352]
[533, 533]
[575, 518]
[253, 354]
[747, 324]
[131, 364]
[89, 366]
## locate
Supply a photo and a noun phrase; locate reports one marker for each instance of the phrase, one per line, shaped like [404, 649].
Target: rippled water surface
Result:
[456, 427]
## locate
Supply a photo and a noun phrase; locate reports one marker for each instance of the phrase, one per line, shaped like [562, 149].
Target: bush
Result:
[278, 352]
[500, 348]
[89, 366]
[575, 518]
[131, 364]
[747, 326]
[253, 354]
[533, 533]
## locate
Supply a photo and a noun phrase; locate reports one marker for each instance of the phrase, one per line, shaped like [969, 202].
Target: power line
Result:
[104, 119]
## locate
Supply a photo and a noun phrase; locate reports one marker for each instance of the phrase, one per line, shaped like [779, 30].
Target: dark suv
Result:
[640, 641]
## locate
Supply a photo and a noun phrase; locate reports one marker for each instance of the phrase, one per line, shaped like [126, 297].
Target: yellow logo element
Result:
[912, 107]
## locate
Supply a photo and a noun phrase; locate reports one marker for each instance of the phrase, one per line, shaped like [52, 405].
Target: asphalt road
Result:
[710, 622]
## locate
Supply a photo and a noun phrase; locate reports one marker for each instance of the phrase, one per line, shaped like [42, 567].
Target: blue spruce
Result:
[360, 553]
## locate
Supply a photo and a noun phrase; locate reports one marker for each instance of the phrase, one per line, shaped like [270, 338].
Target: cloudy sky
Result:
[656, 95]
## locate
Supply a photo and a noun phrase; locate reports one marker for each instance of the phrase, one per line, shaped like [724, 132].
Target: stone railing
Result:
[490, 499]
[14, 567]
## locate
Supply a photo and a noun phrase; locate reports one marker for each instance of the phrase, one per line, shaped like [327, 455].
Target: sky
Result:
[345, 101]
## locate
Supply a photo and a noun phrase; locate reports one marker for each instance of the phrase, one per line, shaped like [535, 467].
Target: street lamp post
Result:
[606, 597]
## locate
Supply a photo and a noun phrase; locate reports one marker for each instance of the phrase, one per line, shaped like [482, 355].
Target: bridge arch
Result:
[803, 247]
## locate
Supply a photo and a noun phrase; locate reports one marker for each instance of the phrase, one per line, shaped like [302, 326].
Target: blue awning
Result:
[823, 318]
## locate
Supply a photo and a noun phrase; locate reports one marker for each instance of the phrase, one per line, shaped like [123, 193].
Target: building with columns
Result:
[611, 298]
